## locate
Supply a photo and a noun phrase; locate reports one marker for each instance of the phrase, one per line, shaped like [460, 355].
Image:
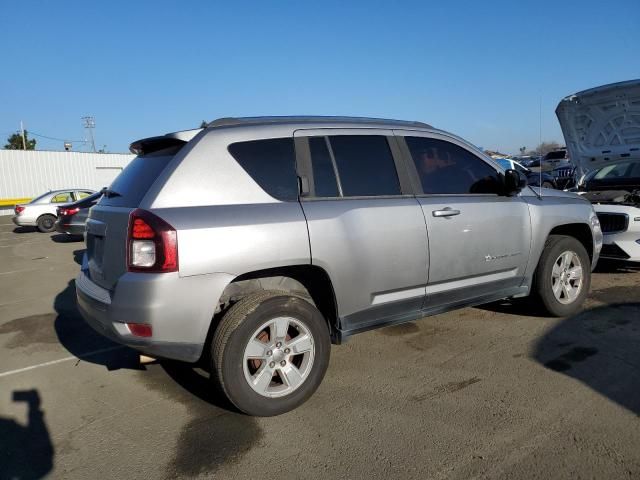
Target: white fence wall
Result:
[29, 173]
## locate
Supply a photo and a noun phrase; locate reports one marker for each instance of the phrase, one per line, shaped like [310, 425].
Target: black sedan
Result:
[535, 179]
[73, 216]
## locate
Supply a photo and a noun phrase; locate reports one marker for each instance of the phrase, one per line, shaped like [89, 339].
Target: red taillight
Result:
[141, 229]
[152, 244]
[140, 329]
[19, 209]
[67, 211]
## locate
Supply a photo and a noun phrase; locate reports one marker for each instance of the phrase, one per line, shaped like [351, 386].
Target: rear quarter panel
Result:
[237, 239]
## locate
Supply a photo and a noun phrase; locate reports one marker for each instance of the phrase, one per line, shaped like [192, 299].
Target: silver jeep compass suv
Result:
[258, 242]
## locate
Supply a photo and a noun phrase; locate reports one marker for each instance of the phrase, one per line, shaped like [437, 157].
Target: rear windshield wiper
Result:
[110, 193]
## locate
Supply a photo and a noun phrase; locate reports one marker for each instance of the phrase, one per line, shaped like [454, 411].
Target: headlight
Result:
[597, 232]
[581, 180]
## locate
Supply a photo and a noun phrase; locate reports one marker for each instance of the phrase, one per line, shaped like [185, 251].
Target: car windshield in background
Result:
[619, 170]
[503, 163]
[519, 168]
[41, 197]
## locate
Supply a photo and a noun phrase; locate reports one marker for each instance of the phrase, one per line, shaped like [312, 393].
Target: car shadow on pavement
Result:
[25, 230]
[26, 451]
[616, 266]
[196, 381]
[599, 347]
[81, 340]
[65, 238]
[526, 307]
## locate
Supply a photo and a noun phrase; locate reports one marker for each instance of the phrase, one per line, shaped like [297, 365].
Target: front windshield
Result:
[504, 163]
[519, 167]
[619, 170]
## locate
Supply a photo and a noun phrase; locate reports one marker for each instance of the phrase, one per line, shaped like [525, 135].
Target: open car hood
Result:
[602, 125]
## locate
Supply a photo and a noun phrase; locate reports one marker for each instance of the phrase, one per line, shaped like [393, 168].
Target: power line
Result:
[54, 138]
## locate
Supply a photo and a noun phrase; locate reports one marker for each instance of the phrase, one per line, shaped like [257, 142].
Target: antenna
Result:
[90, 124]
[540, 132]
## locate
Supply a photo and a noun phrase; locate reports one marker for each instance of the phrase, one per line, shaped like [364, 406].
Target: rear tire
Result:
[547, 185]
[46, 223]
[563, 276]
[270, 352]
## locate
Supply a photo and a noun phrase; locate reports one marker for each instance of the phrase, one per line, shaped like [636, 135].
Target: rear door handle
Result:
[446, 212]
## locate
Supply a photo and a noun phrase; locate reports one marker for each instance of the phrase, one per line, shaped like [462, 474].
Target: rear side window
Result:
[132, 184]
[365, 165]
[272, 165]
[324, 177]
[62, 198]
[446, 168]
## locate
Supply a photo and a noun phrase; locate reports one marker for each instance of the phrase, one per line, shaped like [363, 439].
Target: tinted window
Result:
[445, 168]
[271, 163]
[365, 165]
[560, 154]
[613, 171]
[324, 178]
[132, 184]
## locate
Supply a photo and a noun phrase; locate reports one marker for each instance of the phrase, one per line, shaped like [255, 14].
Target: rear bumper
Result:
[23, 222]
[70, 228]
[179, 310]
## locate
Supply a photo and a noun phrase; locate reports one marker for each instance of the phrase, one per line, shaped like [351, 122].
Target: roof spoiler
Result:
[149, 145]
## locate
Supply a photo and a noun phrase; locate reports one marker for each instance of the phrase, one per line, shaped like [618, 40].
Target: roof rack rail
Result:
[233, 121]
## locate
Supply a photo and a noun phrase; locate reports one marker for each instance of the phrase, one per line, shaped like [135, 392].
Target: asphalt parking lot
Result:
[491, 392]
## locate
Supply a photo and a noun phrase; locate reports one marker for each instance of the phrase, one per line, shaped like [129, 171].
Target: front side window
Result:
[62, 198]
[272, 165]
[81, 195]
[446, 168]
[365, 165]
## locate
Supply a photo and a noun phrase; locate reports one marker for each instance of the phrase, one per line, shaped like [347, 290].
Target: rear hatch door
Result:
[108, 223]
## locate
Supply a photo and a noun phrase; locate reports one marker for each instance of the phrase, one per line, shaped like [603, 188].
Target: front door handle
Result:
[446, 212]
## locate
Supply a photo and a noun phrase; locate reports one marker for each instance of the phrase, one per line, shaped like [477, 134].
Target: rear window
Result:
[556, 155]
[271, 163]
[132, 184]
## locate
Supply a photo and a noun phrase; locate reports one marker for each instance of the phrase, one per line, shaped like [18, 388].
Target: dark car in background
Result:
[535, 179]
[72, 218]
[554, 159]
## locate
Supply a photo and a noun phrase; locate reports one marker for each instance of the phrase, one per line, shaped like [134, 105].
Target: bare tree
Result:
[546, 147]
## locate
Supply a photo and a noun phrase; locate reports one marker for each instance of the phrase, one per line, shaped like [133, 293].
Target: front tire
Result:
[270, 352]
[563, 275]
[547, 185]
[46, 223]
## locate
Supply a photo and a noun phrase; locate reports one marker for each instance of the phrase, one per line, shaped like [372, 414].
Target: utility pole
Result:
[24, 140]
[90, 124]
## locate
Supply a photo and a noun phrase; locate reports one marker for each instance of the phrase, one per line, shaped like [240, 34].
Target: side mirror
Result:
[513, 182]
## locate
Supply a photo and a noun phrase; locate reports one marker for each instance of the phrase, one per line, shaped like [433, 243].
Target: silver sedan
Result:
[41, 211]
